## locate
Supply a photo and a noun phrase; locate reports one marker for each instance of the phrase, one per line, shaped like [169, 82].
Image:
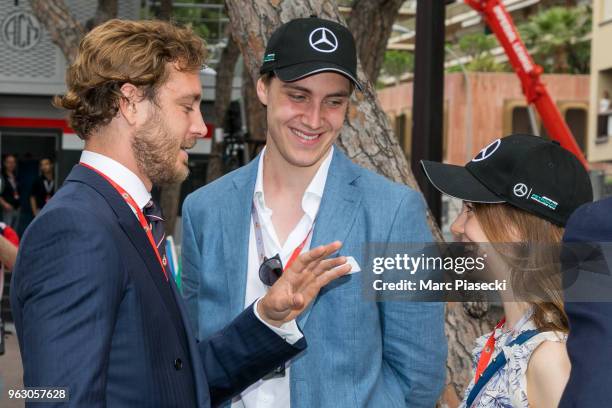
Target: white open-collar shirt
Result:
[275, 392]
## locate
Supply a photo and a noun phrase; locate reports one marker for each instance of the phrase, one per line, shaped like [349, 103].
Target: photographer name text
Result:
[433, 286]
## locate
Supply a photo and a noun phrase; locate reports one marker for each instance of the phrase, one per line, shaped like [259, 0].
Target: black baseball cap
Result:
[306, 46]
[529, 172]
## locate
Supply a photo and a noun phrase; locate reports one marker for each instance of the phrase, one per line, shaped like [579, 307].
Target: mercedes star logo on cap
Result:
[486, 152]
[323, 40]
[520, 190]
[308, 46]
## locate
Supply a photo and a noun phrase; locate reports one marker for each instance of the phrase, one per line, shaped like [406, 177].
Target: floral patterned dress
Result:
[508, 387]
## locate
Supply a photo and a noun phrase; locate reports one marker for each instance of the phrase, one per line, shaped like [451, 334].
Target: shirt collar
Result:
[120, 174]
[313, 194]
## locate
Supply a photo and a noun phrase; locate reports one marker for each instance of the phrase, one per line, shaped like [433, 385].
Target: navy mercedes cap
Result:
[306, 46]
[529, 172]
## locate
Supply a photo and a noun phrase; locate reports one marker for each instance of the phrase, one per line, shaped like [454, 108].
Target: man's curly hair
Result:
[119, 52]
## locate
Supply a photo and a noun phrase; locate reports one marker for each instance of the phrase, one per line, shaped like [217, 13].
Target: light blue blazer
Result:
[360, 353]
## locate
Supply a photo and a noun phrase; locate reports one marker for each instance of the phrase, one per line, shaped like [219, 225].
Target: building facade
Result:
[32, 71]
[600, 118]
[481, 107]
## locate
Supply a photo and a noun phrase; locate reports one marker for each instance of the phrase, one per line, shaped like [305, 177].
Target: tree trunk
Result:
[371, 22]
[169, 193]
[169, 202]
[255, 112]
[560, 64]
[107, 9]
[462, 326]
[367, 139]
[165, 10]
[223, 94]
[66, 31]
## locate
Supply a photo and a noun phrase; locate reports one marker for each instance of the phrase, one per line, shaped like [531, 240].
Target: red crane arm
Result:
[499, 20]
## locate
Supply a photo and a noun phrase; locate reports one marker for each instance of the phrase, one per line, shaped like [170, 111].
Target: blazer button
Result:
[178, 364]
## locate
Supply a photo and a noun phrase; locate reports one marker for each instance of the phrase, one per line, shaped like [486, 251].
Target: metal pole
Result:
[533, 122]
[468, 107]
[428, 96]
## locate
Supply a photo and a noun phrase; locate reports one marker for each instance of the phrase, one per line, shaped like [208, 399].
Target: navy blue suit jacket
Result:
[94, 313]
[590, 340]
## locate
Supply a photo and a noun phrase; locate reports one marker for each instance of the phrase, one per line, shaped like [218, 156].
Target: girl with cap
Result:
[518, 189]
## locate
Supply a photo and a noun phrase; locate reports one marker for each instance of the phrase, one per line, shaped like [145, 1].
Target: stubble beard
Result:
[156, 151]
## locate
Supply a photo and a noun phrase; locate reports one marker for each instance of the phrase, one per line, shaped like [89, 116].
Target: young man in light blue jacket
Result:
[240, 231]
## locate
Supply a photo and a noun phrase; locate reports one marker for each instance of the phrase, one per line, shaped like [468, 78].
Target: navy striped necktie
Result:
[156, 223]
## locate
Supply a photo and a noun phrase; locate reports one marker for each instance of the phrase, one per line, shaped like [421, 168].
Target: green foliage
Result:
[397, 63]
[558, 38]
[454, 68]
[208, 23]
[478, 46]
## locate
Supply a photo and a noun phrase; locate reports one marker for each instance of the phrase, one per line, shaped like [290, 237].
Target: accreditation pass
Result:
[39, 394]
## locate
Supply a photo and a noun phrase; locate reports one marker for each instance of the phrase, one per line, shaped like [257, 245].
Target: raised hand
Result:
[300, 283]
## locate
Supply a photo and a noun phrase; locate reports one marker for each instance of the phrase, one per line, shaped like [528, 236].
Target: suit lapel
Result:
[139, 238]
[338, 209]
[236, 227]
[336, 215]
[132, 228]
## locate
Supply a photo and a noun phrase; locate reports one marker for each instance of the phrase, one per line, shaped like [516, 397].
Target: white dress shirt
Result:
[275, 392]
[120, 174]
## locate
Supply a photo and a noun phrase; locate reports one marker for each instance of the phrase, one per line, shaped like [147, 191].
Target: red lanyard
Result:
[296, 252]
[143, 221]
[487, 352]
[259, 240]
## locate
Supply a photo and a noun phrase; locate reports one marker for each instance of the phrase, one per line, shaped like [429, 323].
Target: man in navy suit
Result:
[590, 336]
[95, 308]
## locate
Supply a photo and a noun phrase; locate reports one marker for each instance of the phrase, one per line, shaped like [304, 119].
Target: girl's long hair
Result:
[536, 275]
